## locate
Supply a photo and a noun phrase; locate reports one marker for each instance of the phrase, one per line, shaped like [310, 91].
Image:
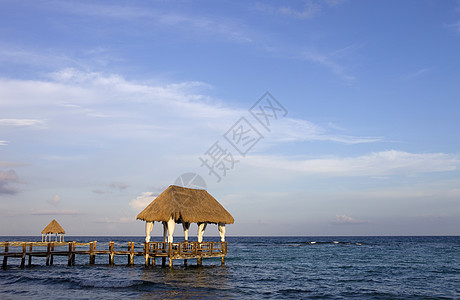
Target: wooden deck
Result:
[150, 251]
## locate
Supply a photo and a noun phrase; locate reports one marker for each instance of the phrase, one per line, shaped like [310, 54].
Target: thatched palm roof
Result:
[185, 205]
[53, 227]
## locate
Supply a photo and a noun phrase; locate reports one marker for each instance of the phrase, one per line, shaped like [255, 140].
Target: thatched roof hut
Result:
[53, 228]
[185, 205]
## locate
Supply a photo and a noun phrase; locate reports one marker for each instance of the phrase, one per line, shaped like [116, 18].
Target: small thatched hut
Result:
[53, 228]
[184, 205]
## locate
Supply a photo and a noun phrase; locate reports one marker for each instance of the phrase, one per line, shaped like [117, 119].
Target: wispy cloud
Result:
[383, 163]
[4, 164]
[55, 212]
[3, 143]
[118, 185]
[290, 130]
[308, 11]
[122, 220]
[417, 73]
[23, 122]
[327, 60]
[225, 29]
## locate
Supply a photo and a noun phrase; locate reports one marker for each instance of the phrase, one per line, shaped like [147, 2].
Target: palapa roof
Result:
[53, 227]
[185, 205]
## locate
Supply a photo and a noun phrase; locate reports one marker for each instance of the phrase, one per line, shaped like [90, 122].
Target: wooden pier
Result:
[150, 251]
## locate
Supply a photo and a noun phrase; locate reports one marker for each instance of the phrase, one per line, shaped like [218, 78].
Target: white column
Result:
[201, 229]
[171, 225]
[185, 226]
[221, 227]
[42, 237]
[148, 230]
[165, 231]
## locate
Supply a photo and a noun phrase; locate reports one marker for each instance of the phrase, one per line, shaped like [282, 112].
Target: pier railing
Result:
[150, 251]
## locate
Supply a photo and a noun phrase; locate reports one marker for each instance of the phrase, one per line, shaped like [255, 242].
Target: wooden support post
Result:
[222, 260]
[30, 254]
[92, 258]
[111, 253]
[73, 253]
[69, 258]
[154, 251]
[199, 261]
[185, 262]
[131, 253]
[170, 254]
[5, 258]
[23, 258]
[48, 248]
[52, 256]
[212, 247]
[146, 253]
[163, 261]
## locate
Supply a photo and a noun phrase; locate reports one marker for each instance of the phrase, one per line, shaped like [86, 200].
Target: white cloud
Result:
[383, 163]
[105, 106]
[343, 220]
[3, 143]
[141, 202]
[55, 200]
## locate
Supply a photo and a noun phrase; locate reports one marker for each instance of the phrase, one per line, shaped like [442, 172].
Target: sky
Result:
[302, 117]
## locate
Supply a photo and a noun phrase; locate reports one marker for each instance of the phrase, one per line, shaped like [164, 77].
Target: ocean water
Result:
[256, 268]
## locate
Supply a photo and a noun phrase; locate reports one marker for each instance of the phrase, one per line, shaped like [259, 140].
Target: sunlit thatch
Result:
[185, 205]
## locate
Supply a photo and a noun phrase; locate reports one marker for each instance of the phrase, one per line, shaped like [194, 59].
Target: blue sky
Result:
[104, 104]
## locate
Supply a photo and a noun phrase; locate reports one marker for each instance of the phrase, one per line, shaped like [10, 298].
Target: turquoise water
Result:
[256, 268]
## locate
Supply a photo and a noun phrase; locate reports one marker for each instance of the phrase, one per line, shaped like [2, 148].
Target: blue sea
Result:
[255, 268]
